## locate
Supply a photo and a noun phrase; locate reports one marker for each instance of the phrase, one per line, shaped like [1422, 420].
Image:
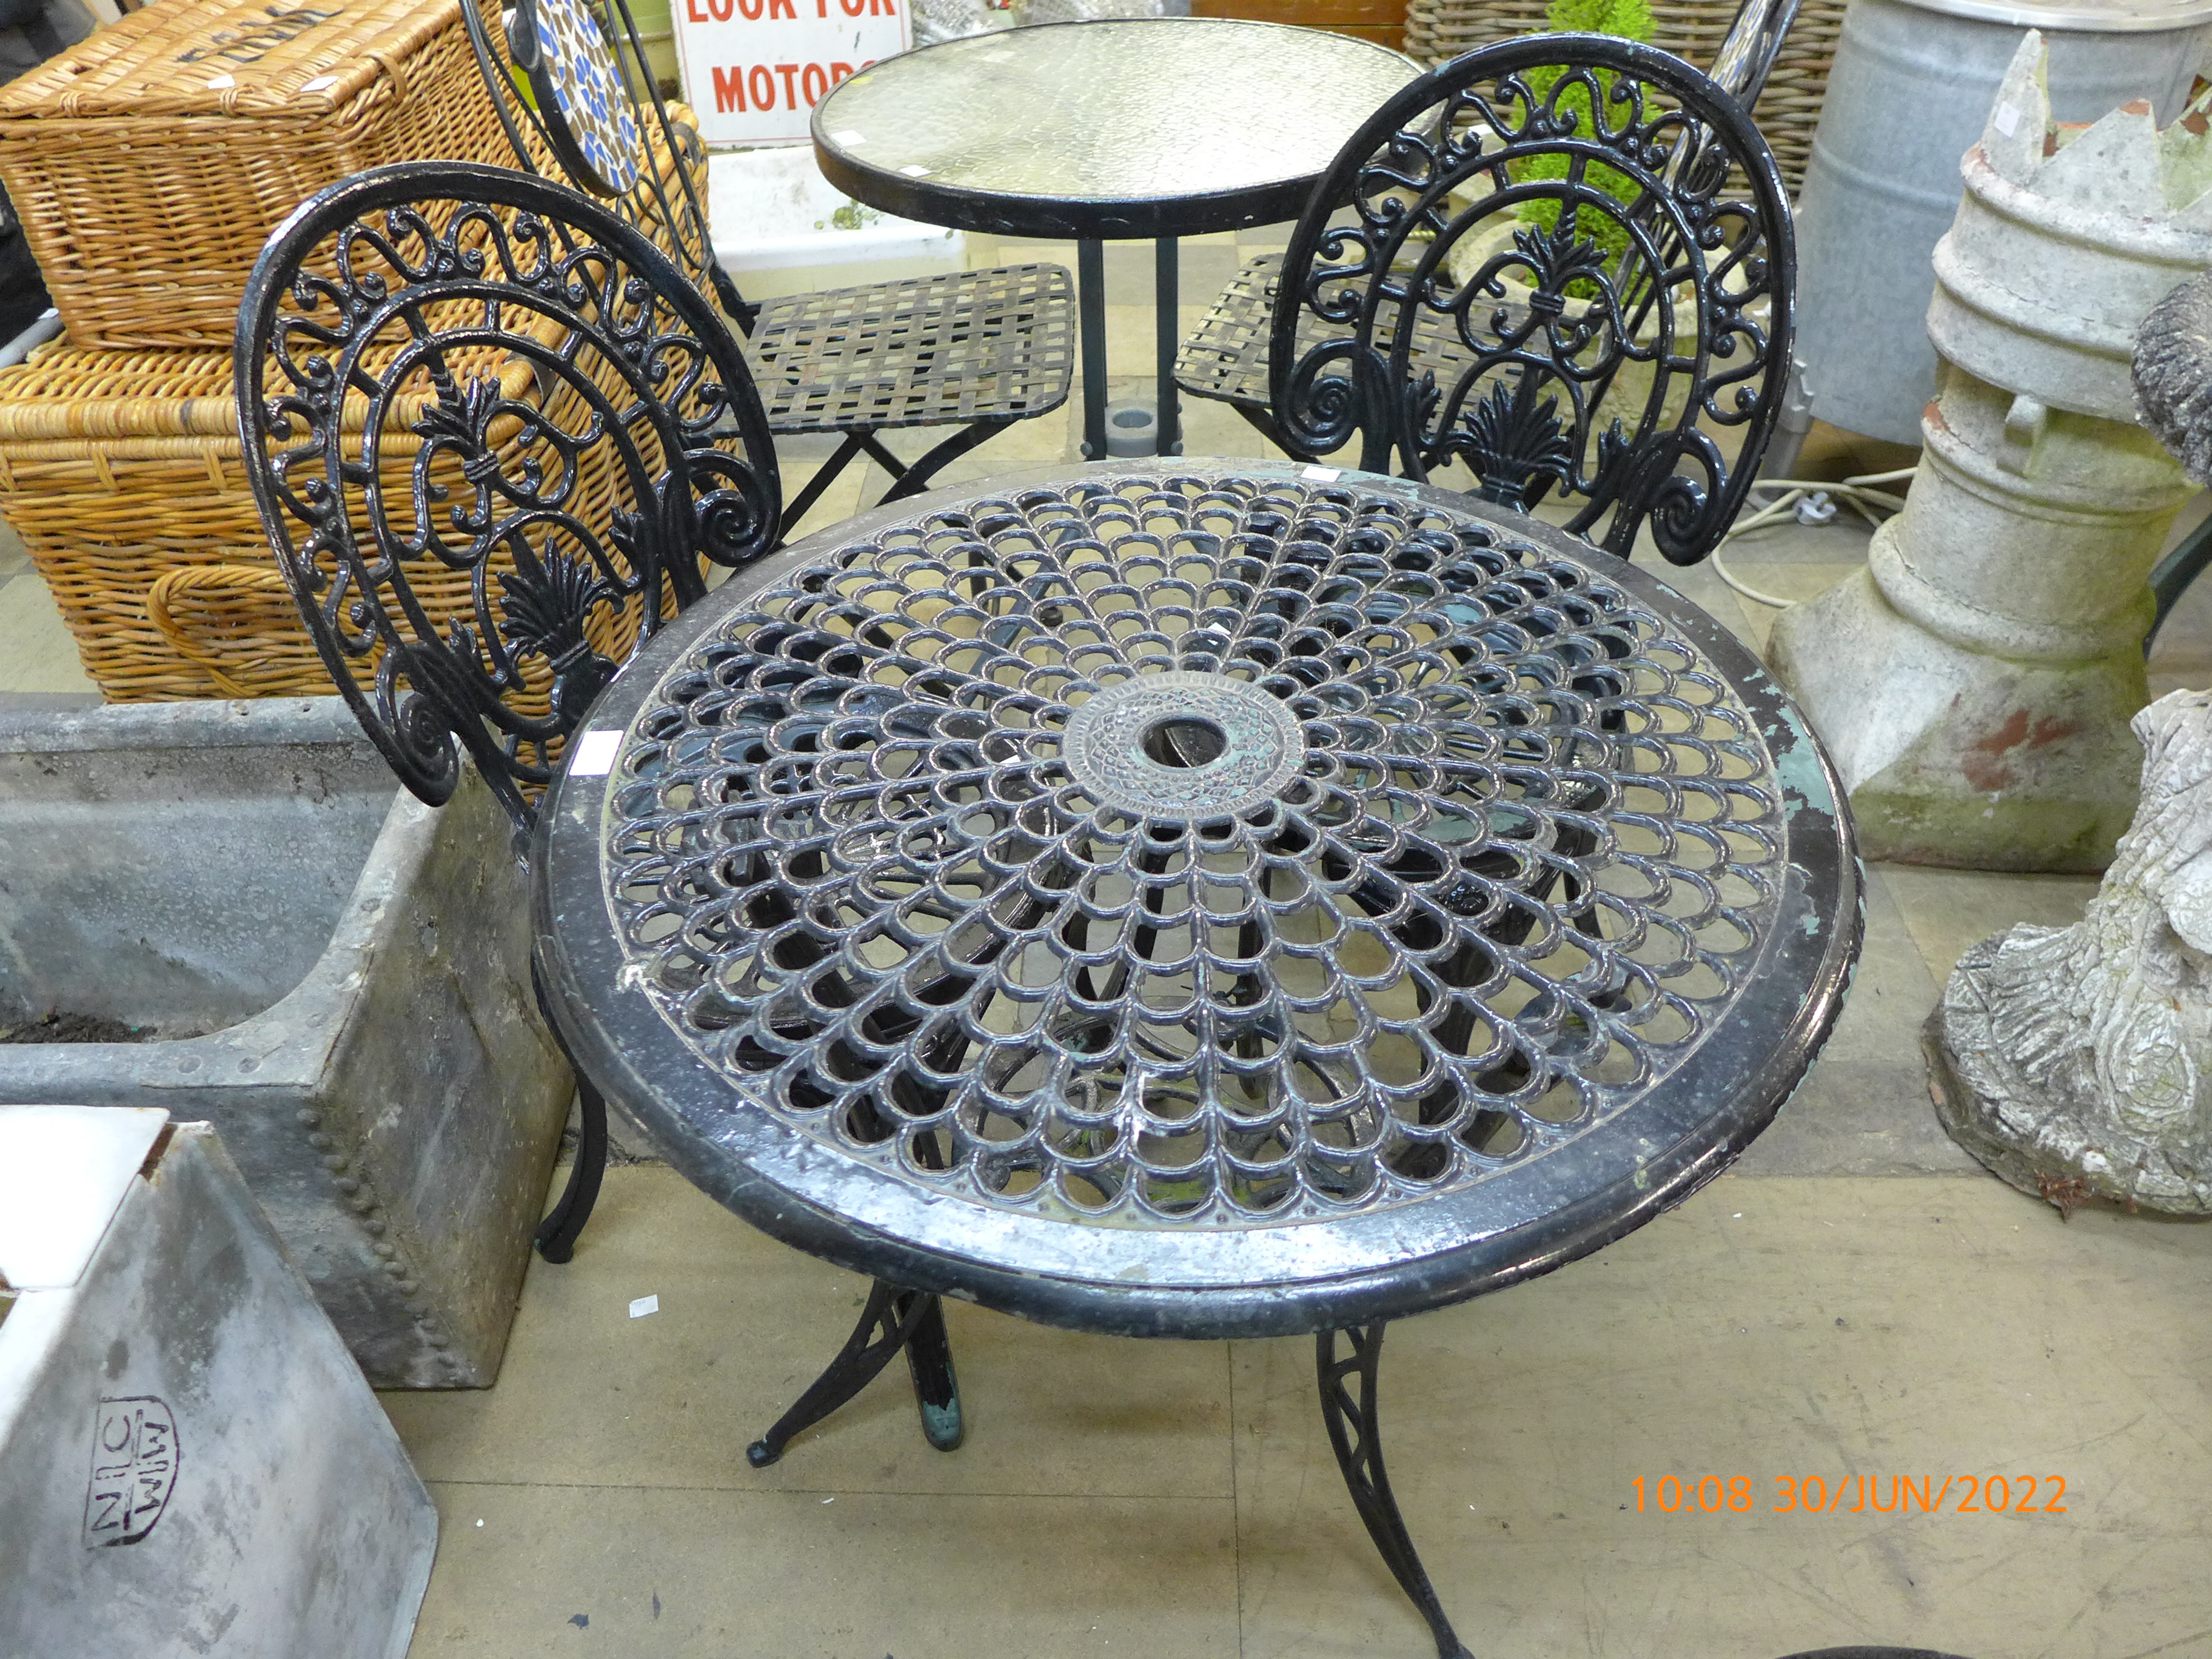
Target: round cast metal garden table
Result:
[1106, 131]
[1241, 900]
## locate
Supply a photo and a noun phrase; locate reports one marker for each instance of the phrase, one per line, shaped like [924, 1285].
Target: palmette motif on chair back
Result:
[466, 379]
[1567, 262]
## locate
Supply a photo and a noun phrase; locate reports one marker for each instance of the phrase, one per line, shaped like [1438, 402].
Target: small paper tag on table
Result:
[595, 754]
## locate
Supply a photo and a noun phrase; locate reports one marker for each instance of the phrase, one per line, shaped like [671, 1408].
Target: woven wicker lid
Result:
[229, 57]
[2084, 16]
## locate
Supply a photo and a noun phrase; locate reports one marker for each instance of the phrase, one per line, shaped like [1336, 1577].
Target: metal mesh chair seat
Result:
[977, 350]
[1227, 359]
[968, 346]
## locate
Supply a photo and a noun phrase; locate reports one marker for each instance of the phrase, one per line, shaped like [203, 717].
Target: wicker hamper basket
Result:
[1789, 108]
[121, 472]
[150, 161]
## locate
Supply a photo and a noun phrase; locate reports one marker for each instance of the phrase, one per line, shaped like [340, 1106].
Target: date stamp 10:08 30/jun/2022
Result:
[1854, 1494]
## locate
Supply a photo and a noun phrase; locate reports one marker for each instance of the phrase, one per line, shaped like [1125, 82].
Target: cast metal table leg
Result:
[892, 1321]
[1347, 1407]
[1168, 318]
[1091, 304]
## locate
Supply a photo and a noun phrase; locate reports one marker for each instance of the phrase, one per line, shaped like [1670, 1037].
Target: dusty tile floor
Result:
[1856, 1301]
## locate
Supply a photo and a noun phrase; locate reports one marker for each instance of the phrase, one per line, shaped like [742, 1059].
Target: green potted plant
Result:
[1509, 285]
[1627, 20]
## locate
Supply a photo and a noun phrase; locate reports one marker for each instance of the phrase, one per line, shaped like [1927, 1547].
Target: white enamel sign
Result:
[754, 69]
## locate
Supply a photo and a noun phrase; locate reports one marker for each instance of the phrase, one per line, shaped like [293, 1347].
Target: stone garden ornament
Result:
[2076, 1062]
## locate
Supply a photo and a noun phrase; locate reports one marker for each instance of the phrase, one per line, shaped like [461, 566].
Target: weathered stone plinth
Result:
[1976, 683]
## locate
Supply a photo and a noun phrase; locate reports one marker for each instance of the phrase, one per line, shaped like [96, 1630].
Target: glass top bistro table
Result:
[1231, 899]
[1106, 130]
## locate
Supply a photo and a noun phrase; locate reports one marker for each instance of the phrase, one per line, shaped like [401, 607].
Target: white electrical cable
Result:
[47, 327]
[1860, 494]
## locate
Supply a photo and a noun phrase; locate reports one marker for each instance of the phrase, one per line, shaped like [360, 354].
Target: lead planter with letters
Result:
[189, 1460]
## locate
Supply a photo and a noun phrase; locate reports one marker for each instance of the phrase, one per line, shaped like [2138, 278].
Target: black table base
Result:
[893, 1320]
[1090, 310]
[1348, 1395]
[912, 1321]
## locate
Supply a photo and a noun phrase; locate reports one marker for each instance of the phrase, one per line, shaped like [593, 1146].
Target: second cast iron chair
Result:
[978, 350]
[450, 371]
[1565, 261]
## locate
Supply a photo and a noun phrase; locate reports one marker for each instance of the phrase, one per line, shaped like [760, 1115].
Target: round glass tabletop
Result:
[1166, 126]
[1217, 901]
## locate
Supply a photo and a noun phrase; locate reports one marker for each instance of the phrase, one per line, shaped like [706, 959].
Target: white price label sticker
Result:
[2006, 120]
[850, 137]
[1322, 474]
[595, 754]
[644, 1305]
[913, 171]
[321, 83]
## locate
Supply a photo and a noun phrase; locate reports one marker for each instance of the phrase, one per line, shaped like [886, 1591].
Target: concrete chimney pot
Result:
[2001, 618]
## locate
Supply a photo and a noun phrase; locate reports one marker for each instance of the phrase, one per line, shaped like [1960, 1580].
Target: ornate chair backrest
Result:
[493, 433]
[1566, 262]
[564, 77]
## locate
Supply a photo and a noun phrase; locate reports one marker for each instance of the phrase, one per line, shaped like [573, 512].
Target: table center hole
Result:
[1184, 740]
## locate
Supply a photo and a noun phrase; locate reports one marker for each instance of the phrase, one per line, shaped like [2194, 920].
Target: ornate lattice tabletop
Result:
[1198, 903]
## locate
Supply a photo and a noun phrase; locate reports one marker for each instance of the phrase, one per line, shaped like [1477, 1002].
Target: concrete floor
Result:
[1856, 1302]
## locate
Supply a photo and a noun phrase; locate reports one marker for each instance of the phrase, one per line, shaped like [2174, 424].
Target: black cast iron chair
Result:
[1567, 263]
[496, 437]
[975, 350]
[493, 434]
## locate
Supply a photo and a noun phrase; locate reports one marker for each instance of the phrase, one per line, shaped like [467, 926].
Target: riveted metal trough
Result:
[334, 975]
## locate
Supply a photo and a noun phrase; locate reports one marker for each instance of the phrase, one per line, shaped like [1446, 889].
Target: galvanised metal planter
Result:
[189, 1462]
[1908, 94]
[335, 975]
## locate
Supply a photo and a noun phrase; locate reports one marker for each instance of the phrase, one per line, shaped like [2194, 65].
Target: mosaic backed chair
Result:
[976, 351]
[1564, 263]
[460, 380]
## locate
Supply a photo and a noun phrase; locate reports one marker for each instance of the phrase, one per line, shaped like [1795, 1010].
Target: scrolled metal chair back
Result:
[660, 153]
[1566, 262]
[494, 436]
